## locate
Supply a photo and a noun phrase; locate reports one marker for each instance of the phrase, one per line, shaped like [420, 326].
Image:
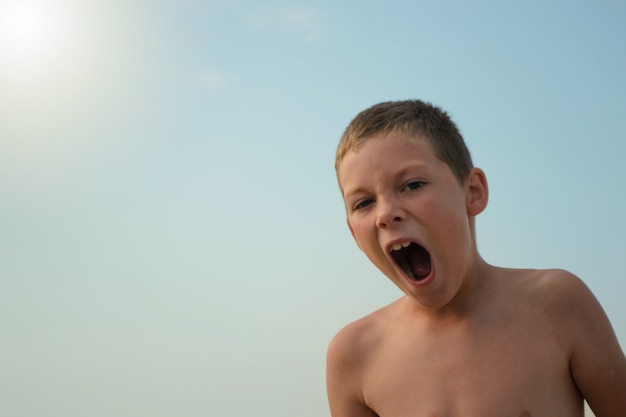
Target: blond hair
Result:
[410, 119]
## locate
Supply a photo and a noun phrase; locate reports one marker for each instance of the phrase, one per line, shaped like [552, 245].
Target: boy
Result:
[467, 339]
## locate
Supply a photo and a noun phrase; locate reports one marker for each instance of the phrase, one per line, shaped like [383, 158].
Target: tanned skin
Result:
[470, 339]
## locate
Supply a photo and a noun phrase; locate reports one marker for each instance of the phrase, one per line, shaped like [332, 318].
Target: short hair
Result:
[412, 119]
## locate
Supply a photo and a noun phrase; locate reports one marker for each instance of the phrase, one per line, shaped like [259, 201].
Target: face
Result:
[411, 217]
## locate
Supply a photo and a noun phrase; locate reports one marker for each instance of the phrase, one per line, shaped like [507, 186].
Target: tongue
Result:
[420, 264]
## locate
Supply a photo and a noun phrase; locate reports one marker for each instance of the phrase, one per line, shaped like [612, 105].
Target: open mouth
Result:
[411, 258]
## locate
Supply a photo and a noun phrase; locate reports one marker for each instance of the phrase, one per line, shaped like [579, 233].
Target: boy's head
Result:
[410, 119]
[411, 194]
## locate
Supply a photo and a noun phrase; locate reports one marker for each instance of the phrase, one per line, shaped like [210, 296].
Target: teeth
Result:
[399, 246]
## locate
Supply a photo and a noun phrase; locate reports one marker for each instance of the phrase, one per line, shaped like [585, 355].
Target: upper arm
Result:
[597, 362]
[344, 366]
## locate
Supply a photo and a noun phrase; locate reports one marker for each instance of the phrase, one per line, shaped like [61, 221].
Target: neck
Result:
[475, 287]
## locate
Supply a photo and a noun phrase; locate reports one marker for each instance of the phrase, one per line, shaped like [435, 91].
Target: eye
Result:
[414, 185]
[361, 204]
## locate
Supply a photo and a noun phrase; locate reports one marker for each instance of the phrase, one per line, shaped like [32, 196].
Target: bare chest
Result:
[516, 372]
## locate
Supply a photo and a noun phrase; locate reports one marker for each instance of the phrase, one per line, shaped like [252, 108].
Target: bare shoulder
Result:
[354, 343]
[555, 292]
[554, 285]
[597, 362]
[542, 281]
[564, 300]
[349, 353]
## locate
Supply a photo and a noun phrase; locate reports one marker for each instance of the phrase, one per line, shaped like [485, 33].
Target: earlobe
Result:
[477, 191]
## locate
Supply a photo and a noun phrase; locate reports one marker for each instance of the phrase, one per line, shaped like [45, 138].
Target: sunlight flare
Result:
[32, 32]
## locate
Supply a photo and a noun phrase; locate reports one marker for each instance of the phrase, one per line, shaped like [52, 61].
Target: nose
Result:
[389, 213]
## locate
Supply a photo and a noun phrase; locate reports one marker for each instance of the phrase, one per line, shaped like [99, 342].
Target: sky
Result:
[172, 237]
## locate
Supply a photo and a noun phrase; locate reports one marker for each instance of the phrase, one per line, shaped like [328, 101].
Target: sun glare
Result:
[31, 32]
[25, 27]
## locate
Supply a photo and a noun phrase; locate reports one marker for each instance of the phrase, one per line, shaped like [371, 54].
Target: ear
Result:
[476, 192]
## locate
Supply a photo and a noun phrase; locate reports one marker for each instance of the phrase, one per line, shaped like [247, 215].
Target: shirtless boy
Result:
[467, 339]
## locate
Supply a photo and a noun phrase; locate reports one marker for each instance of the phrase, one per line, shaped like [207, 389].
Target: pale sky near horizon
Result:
[172, 239]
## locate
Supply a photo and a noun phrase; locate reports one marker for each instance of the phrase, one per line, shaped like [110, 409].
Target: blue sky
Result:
[172, 238]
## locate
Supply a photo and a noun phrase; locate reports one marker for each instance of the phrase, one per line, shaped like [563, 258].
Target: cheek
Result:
[365, 236]
[449, 214]
[359, 232]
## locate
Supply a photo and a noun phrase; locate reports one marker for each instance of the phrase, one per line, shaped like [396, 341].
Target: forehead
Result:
[385, 154]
